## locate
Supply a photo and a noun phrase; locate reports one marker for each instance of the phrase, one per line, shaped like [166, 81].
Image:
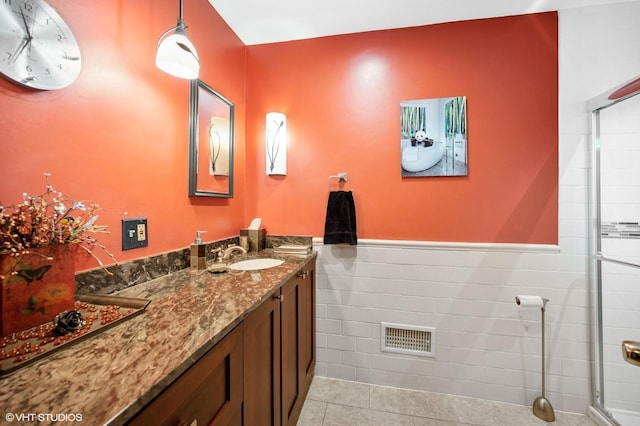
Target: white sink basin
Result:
[255, 264]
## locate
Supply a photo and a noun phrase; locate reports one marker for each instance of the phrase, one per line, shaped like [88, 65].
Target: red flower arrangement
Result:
[50, 219]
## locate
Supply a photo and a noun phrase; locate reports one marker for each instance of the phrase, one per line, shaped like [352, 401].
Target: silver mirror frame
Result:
[197, 89]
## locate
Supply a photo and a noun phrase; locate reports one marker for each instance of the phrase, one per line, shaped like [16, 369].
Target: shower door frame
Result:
[595, 106]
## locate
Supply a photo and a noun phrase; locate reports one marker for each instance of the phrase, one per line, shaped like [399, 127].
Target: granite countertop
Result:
[110, 377]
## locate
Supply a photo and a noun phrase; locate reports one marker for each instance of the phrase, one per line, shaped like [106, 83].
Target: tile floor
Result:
[332, 402]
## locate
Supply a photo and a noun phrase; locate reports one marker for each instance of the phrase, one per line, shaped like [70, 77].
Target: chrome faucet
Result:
[228, 252]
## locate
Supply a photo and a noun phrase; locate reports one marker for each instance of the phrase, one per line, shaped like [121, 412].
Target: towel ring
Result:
[342, 177]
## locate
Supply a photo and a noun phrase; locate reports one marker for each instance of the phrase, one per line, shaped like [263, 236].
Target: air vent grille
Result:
[408, 339]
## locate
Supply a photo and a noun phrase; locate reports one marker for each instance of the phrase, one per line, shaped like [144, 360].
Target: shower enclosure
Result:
[615, 252]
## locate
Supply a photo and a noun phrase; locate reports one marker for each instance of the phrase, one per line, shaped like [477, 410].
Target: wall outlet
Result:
[134, 233]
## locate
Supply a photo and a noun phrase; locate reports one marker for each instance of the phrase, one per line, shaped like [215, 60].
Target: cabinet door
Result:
[208, 393]
[308, 328]
[298, 341]
[291, 321]
[262, 364]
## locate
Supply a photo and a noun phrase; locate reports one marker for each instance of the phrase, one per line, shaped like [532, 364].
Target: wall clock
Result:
[37, 48]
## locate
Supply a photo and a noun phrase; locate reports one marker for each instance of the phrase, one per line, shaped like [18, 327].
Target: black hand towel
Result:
[340, 224]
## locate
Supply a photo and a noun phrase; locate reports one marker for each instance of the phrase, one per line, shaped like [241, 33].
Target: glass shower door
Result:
[616, 257]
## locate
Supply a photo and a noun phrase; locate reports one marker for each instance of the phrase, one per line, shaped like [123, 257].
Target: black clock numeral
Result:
[47, 71]
[29, 69]
[28, 7]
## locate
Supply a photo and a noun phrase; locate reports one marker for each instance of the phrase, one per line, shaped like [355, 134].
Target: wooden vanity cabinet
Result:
[279, 355]
[308, 327]
[262, 364]
[259, 374]
[298, 342]
[208, 393]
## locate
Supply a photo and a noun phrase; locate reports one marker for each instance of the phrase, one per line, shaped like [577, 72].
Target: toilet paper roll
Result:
[525, 301]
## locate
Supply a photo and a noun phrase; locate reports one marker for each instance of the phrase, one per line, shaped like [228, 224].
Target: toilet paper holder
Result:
[542, 408]
[526, 301]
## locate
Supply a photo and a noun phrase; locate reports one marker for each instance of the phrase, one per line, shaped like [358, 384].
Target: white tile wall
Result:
[601, 49]
[487, 347]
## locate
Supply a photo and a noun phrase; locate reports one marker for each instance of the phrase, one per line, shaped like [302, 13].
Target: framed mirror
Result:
[210, 142]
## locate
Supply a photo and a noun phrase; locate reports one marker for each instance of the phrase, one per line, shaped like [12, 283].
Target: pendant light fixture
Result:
[176, 54]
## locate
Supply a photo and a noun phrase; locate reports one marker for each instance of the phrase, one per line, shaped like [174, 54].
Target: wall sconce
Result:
[176, 54]
[276, 142]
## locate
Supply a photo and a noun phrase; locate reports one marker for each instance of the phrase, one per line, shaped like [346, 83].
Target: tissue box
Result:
[256, 238]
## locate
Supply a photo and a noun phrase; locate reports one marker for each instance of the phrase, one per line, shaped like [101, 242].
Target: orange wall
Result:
[341, 96]
[119, 135]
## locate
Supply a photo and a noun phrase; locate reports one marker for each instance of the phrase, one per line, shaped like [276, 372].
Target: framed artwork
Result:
[433, 137]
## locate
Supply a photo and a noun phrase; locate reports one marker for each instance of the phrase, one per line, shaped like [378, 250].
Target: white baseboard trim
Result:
[444, 245]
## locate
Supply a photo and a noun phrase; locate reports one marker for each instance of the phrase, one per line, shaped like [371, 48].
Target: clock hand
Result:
[26, 26]
[26, 41]
[19, 49]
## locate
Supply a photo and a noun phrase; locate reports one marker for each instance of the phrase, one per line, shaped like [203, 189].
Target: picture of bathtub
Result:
[433, 137]
[419, 158]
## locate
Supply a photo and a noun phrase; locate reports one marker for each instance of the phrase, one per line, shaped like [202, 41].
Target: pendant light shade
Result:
[176, 54]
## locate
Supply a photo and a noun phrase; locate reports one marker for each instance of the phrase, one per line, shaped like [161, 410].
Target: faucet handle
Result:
[217, 254]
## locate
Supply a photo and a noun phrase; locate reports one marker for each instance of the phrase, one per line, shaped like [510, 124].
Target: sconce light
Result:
[176, 54]
[276, 142]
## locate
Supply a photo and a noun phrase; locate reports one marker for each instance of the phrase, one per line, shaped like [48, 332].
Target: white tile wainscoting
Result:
[486, 347]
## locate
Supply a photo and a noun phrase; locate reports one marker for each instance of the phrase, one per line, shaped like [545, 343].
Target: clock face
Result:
[37, 48]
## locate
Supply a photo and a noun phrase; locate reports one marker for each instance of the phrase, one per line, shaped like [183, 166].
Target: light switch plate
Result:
[134, 233]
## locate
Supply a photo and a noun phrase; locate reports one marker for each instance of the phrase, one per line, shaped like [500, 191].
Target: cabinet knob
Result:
[279, 297]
